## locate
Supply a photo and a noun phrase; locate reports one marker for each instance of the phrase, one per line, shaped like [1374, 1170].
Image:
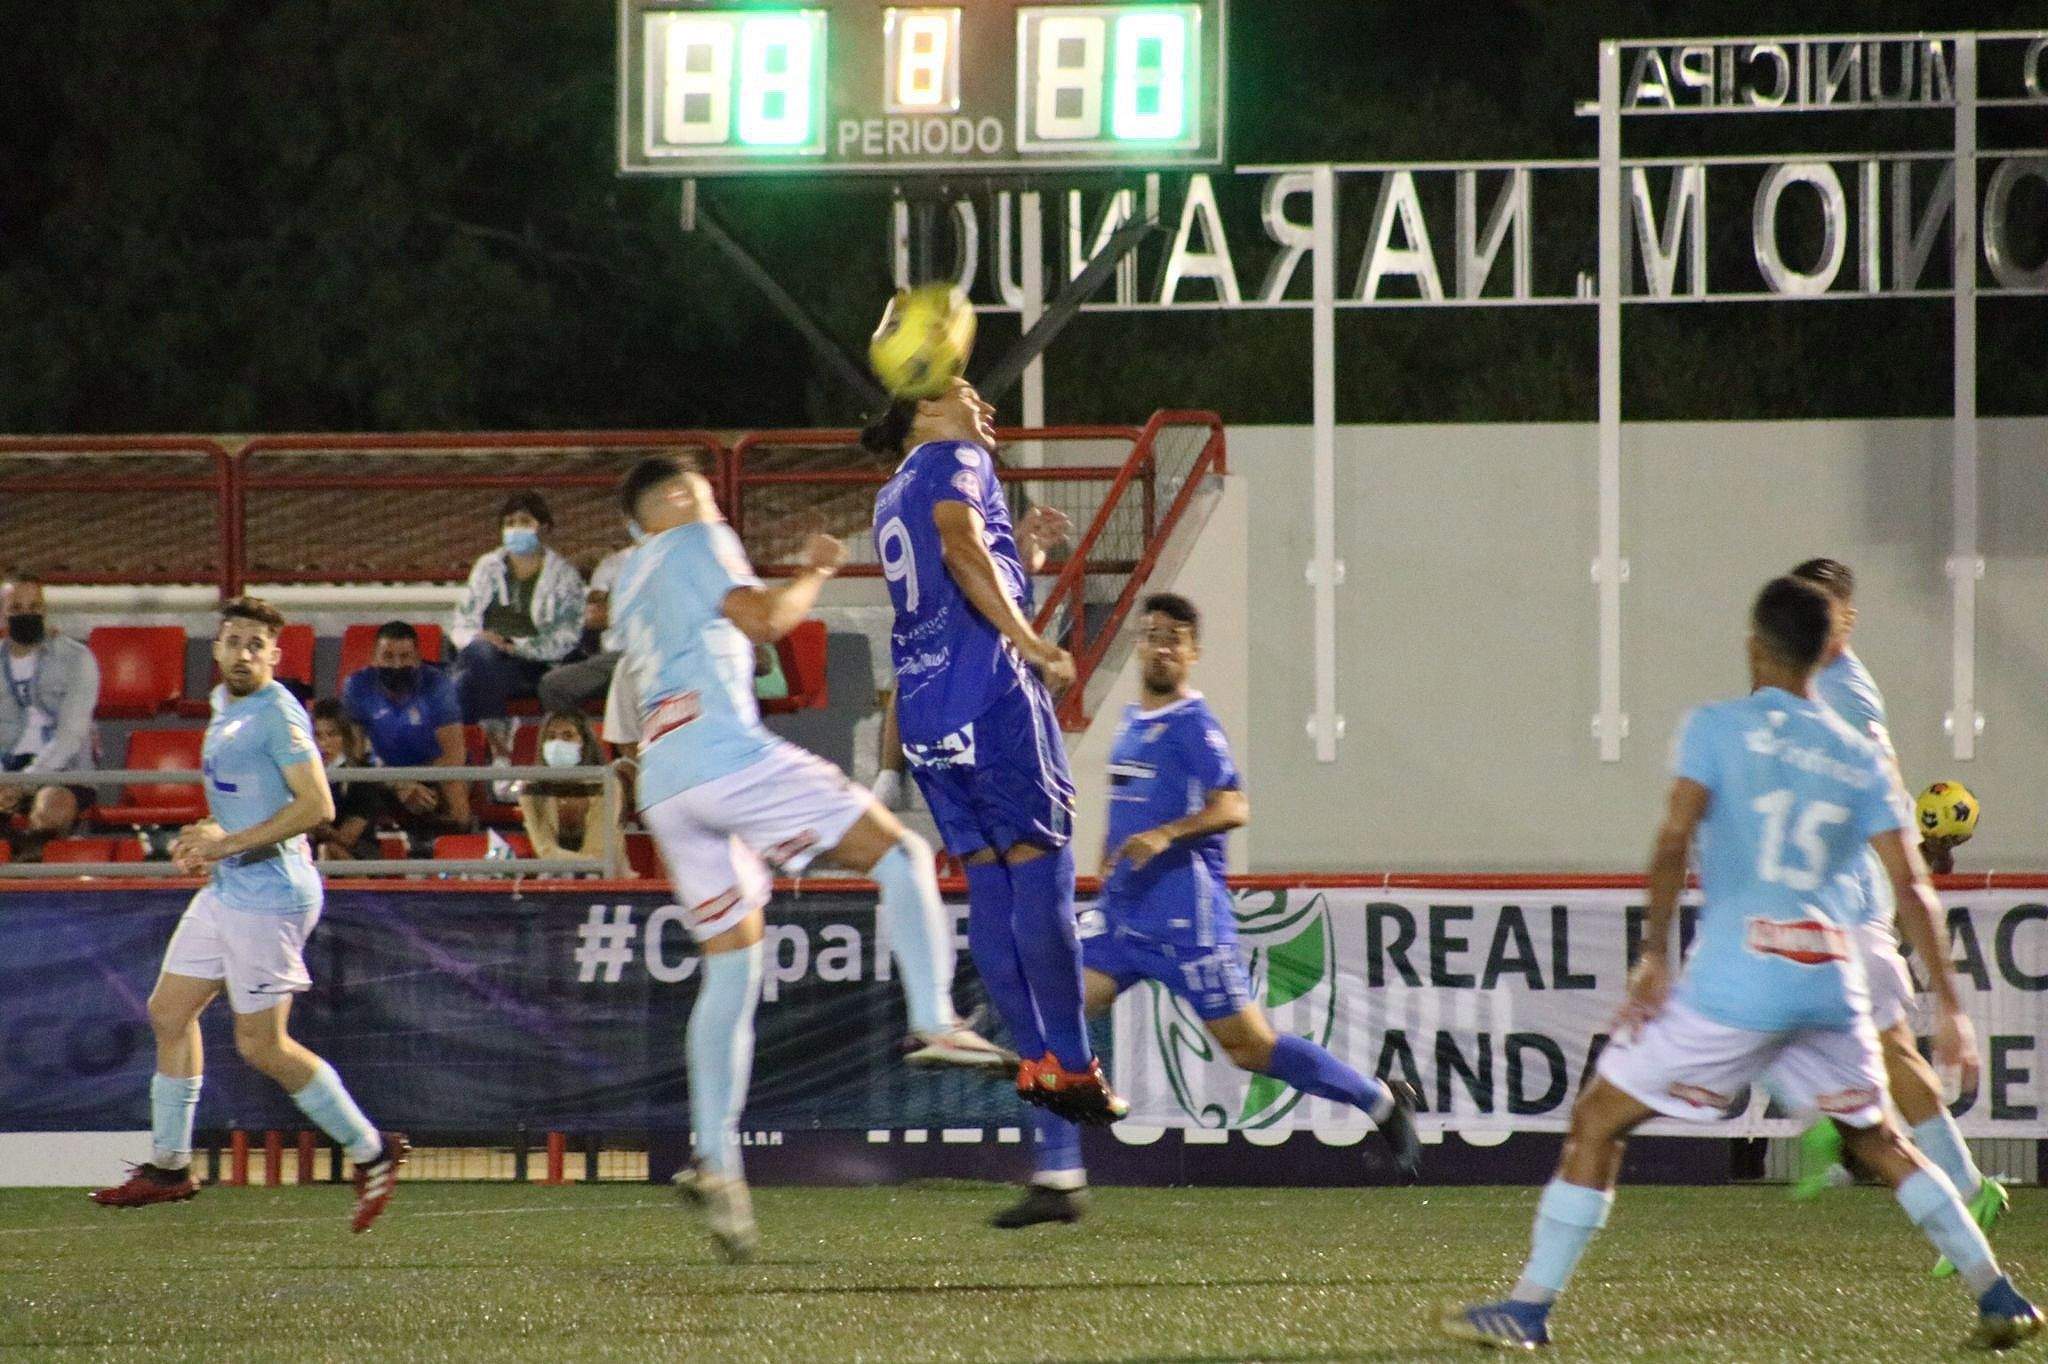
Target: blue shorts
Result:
[1210, 978]
[1001, 780]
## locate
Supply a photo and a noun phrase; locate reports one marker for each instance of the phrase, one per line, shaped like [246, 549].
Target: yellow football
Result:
[1947, 810]
[924, 341]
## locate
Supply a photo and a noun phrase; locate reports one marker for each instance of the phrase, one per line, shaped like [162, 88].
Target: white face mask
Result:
[562, 752]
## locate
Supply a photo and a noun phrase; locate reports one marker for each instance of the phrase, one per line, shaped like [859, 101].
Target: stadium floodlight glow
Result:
[923, 54]
[1152, 75]
[781, 52]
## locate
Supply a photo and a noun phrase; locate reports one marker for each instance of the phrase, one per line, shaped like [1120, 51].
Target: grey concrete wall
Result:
[1467, 629]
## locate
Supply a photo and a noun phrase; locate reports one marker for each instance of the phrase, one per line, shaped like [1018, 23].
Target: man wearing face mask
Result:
[413, 719]
[51, 684]
[522, 613]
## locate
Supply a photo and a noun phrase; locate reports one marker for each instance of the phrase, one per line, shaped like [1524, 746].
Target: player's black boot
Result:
[1398, 1131]
[1041, 1204]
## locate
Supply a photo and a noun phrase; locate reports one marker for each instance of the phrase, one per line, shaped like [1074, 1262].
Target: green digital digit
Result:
[1150, 101]
[777, 78]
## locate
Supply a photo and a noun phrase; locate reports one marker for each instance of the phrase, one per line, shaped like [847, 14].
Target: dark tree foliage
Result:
[243, 215]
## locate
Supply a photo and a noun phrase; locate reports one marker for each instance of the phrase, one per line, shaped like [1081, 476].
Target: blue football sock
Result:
[172, 1098]
[1056, 1154]
[1930, 1200]
[992, 940]
[721, 1044]
[1306, 1066]
[1941, 1143]
[1566, 1218]
[335, 1113]
[1051, 952]
[920, 932]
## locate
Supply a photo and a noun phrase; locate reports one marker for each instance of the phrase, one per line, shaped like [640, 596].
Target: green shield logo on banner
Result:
[1291, 957]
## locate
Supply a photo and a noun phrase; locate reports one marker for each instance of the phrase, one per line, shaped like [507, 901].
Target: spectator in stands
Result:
[523, 612]
[568, 686]
[46, 706]
[413, 718]
[567, 819]
[358, 805]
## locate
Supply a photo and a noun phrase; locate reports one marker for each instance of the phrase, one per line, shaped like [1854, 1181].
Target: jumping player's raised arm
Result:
[963, 545]
[766, 614]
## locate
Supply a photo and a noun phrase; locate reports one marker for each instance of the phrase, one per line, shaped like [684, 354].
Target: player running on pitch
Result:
[979, 732]
[245, 931]
[1850, 691]
[1784, 797]
[1174, 793]
[721, 794]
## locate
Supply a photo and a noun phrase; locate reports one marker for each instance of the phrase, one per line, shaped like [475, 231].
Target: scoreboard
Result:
[717, 87]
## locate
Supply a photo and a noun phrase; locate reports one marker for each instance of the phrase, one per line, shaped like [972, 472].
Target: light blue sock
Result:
[920, 932]
[335, 1113]
[1941, 1143]
[1566, 1218]
[1056, 1156]
[172, 1099]
[1312, 1070]
[722, 1054]
[1930, 1200]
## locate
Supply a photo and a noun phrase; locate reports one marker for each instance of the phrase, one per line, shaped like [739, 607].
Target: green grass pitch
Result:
[621, 1272]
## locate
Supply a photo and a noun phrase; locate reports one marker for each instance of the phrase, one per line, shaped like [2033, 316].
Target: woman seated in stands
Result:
[566, 818]
[358, 805]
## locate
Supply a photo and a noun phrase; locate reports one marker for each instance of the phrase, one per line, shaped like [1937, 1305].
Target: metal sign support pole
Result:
[1965, 563]
[1610, 570]
[1326, 726]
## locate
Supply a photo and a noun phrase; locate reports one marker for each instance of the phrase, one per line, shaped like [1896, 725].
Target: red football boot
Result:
[1082, 1096]
[147, 1184]
[378, 1180]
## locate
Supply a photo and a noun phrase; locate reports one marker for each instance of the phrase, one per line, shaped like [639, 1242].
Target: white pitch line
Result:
[287, 1221]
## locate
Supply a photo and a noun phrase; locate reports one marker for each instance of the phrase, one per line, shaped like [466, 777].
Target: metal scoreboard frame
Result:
[863, 87]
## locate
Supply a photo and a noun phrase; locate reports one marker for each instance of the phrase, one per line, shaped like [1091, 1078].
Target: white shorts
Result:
[1685, 1065]
[1891, 988]
[260, 956]
[714, 837]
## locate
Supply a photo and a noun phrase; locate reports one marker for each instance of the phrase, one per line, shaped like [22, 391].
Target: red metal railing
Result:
[1144, 471]
[364, 508]
[161, 525]
[783, 482]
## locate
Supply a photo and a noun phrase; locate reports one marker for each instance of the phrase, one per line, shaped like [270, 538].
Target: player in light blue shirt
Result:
[1782, 797]
[723, 797]
[1165, 913]
[1848, 689]
[244, 933]
[974, 706]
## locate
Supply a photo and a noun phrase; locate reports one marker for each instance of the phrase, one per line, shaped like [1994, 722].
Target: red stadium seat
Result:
[802, 652]
[92, 850]
[159, 802]
[142, 669]
[358, 642]
[471, 847]
[6, 851]
[393, 847]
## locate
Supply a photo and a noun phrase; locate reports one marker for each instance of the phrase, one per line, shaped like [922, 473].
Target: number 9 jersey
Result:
[952, 664]
[1795, 796]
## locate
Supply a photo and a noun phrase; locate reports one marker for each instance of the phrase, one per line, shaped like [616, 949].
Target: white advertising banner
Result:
[1494, 1005]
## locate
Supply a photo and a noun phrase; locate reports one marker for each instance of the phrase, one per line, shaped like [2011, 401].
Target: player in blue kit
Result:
[1849, 690]
[1166, 912]
[245, 931]
[723, 796]
[979, 732]
[1784, 798]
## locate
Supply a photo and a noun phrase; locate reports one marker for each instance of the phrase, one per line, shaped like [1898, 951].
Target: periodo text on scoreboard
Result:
[712, 87]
